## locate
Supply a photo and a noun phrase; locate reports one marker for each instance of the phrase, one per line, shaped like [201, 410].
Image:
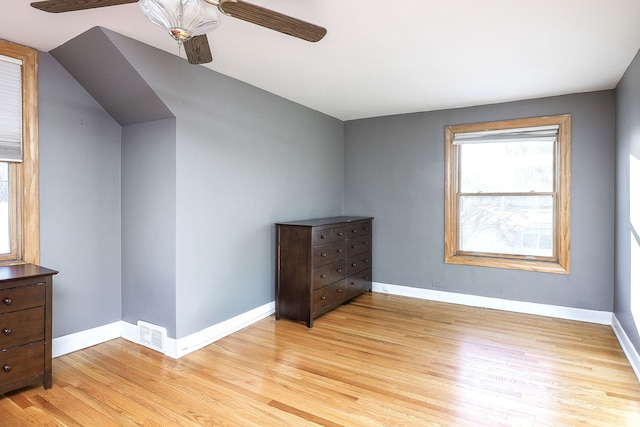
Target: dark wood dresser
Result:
[320, 264]
[25, 326]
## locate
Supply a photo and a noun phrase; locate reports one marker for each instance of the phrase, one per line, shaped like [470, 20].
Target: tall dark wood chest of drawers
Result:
[320, 264]
[25, 326]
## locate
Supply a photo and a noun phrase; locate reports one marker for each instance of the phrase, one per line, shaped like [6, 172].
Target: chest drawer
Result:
[328, 274]
[358, 263]
[329, 235]
[14, 299]
[21, 327]
[325, 254]
[358, 229]
[359, 282]
[358, 245]
[21, 362]
[329, 295]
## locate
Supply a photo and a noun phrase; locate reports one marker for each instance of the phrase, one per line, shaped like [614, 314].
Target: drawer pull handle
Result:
[365, 260]
[323, 298]
[339, 270]
[365, 243]
[323, 254]
[354, 246]
[6, 331]
[322, 236]
[6, 368]
[322, 276]
[355, 230]
[339, 291]
[339, 251]
[340, 234]
[7, 301]
[354, 265]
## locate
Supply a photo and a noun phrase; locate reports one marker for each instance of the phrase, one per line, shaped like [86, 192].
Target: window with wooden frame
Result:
[507, 201]
[19, 203]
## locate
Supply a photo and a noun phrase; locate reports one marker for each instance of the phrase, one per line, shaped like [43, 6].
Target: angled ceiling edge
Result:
[106, 74]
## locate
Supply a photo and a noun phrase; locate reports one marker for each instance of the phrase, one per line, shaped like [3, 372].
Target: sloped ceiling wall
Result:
[93, 60]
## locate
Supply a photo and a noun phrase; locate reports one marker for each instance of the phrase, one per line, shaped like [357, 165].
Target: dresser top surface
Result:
[22, 271]
[326, 221]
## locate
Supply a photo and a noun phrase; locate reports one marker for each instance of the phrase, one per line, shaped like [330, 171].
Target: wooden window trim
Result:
[27, 215]
[561, 263]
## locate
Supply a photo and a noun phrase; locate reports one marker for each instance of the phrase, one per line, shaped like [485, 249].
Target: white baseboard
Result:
[627, 346]
[173, 348]
[570, 313]
[129, 332]
[90, 337]
[213, 333]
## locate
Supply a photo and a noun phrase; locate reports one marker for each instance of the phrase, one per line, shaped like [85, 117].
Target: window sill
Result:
[511, 264]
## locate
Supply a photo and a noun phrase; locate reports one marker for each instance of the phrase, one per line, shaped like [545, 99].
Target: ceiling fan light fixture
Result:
[183, 19]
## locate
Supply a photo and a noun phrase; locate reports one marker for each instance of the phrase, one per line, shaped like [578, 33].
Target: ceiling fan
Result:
[196, 45]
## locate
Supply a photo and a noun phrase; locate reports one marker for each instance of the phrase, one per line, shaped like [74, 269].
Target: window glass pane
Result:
[5, 211]
[514, 225]
[506, 167]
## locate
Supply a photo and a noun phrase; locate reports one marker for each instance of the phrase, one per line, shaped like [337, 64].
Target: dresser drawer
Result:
[328, 274]
[325, 254]
[329, 235]
[329, 295]
[358, 263]
[21, 327]
[358, 245]
[14, 299]
[338, 234]
[358, 229]
[22, 362]
[359, 283]
[322, 237]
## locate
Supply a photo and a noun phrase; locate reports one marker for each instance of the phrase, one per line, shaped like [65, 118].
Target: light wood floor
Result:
[379, 361]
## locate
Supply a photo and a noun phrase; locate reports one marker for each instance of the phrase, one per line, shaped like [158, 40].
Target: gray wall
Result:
[394, 171]
[627, 266]
[257, 160]
[149, 223]
[79, 202]
[243, 159]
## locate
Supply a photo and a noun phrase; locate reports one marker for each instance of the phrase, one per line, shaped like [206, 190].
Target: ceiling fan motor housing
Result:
[183, 19]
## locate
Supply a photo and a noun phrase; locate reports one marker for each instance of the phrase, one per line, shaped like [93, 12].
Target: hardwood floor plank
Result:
[381, 360]
[180, 384]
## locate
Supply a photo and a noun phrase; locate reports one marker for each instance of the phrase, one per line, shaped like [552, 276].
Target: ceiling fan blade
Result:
[57, 6]
[273, 20]
[197, 50]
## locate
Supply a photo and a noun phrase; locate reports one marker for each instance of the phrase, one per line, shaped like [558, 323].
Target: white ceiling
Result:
[389, 57]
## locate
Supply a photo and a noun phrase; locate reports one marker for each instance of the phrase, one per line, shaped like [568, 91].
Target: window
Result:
[507, 194]
[19, 204]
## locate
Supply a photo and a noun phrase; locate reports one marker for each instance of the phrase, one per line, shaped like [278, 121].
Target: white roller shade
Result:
[539, 133]
[10, 109]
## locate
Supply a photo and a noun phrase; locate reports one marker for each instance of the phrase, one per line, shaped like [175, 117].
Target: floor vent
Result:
[151, 336]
